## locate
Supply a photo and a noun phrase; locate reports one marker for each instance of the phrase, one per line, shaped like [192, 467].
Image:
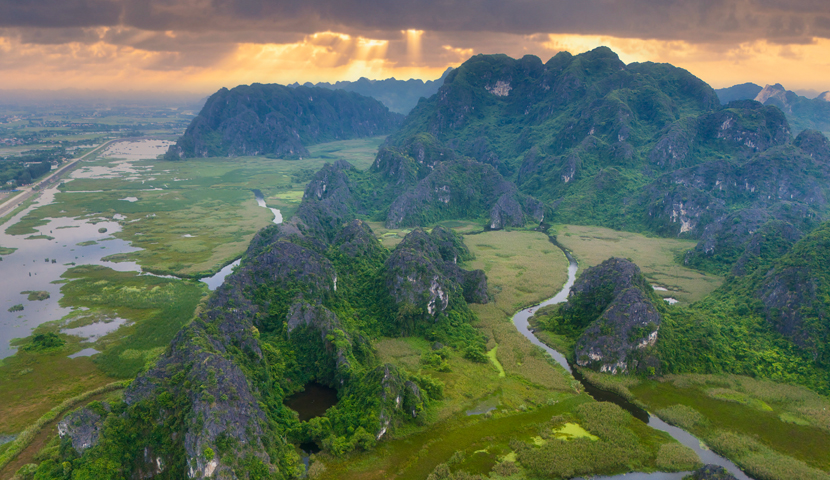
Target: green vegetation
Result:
[156, 307]
[7, 251]
[307, 116]
[16, 308]
[26, 436]
[203, 215]
[656, 257]
[753, 431]
[14, 172]
[38, 295]
[41, 375]
[44, 342]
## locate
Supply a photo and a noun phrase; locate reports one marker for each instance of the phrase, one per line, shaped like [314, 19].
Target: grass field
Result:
[656, 257]
[193, 217]
[210, 201]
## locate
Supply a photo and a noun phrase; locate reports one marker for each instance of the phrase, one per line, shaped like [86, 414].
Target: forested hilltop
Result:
[277, 120]
[587, 139]
[400, 96]
[582, 139]
[303, 306]
[803, 113]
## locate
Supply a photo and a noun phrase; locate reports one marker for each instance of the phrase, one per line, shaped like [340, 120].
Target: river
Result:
[215, 281]
[521, 321]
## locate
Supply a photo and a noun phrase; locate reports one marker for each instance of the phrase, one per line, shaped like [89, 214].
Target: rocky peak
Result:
[422, 273]
[815, 144]
[82, 427]
[777, 92]
[357, 239]
[616, 306]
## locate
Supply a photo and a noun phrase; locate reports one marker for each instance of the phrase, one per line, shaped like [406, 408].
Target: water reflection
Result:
[313, 401]
[27, 268]
[216, 280]
[260, 200]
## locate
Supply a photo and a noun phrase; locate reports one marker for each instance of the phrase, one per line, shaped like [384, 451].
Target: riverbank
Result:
[734, 415]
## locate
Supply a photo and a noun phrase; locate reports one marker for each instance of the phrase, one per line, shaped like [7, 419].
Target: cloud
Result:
[731, 21]
[210, 43]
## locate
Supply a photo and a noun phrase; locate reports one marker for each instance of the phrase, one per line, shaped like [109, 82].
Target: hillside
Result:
[277, 120]
[772, 323]
[399, 96]
[587, 139]
[802, 112]
[302, 307]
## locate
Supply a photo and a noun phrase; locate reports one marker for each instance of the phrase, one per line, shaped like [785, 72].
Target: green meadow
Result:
[658, 258]
[191, 218]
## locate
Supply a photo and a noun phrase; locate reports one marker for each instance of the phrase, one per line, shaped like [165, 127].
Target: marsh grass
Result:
[156, 308]
[760, 461]
[619, 384]
[36, 295]
[523, 268]
[673, 457]
[209, 199]
[28, 435]
[656, 257]
[741, 418]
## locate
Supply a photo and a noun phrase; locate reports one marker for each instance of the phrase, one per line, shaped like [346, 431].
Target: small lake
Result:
[313, 401]
[521, 321]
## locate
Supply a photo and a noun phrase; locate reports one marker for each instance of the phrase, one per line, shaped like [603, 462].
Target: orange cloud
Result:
[118, 58]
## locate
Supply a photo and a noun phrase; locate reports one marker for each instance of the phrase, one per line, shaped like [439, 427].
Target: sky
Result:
[202, 45]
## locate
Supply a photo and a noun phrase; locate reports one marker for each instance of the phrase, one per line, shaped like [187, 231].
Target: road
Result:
[35, 188]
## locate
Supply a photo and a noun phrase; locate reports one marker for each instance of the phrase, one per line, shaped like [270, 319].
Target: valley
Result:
[568, 269]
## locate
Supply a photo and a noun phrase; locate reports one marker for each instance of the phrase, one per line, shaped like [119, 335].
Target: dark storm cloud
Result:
[727, 21]
[59, 13]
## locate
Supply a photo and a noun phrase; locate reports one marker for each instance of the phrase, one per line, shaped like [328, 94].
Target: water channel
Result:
[42, 257]
[521, 321]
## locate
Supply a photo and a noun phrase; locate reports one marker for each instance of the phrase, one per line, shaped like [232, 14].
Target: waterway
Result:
[41, 258]
[521, 321]
[216, 280]
[260, 200]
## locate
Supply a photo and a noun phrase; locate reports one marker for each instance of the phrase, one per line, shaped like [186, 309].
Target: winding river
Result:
[521, 321]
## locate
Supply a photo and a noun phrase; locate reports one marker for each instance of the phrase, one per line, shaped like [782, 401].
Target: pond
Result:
[313, 401]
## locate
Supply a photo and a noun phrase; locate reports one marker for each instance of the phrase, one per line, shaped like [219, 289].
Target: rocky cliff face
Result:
[614, 308]
[598, 141]
[463, 188]
[794, 293]
[424, 279]
[272, 119]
